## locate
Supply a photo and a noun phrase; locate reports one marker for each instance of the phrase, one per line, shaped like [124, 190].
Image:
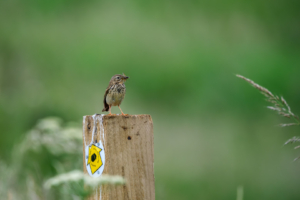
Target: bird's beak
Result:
[125, 77]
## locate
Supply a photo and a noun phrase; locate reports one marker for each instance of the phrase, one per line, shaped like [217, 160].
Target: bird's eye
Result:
[118, 77]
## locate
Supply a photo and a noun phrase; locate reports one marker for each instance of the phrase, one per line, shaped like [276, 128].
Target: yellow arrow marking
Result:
[94, 159]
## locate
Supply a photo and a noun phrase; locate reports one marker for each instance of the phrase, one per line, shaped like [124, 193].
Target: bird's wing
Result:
[106, 106]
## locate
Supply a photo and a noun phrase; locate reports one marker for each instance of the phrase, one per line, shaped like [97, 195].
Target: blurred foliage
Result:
[57, 57]
[50, 148]
[80, 184]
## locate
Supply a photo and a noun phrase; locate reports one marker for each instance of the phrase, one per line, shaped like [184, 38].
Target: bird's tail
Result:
[106, 108]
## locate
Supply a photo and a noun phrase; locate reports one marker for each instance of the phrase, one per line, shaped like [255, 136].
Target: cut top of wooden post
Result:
[128, 146]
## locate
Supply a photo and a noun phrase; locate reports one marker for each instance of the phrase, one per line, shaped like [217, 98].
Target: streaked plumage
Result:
[115, 92]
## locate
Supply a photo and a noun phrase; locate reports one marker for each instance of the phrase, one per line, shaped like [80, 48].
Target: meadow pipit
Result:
[115, 92]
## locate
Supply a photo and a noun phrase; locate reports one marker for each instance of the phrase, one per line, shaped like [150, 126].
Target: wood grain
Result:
[128, 146]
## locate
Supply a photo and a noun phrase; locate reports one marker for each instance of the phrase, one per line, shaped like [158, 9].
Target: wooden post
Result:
[128, 147]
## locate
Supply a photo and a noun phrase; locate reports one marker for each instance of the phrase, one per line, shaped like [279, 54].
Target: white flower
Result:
[76, 176]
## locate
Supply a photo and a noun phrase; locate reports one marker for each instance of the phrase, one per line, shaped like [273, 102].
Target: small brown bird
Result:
[115, 92]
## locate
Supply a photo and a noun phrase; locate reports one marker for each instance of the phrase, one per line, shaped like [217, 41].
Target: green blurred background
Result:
[212, 130]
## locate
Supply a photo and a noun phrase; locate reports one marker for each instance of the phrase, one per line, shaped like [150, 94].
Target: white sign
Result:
[95, 159]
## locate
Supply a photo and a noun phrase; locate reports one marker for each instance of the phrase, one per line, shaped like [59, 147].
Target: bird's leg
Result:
[109, 110]
[122, 111]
